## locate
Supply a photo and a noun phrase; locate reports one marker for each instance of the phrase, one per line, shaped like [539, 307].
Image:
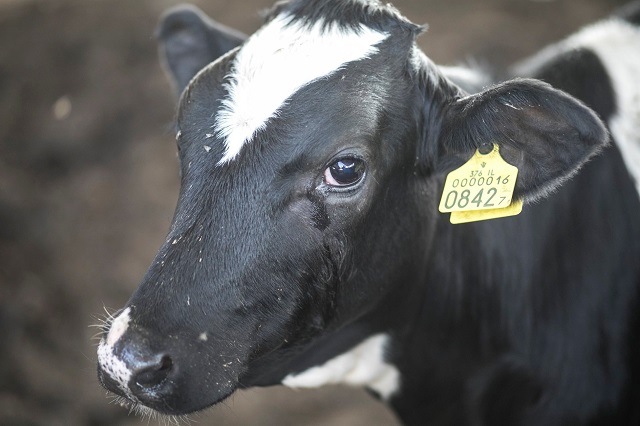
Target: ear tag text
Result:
[481, 189]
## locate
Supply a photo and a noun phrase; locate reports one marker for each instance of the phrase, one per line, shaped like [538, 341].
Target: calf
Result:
[307, 247]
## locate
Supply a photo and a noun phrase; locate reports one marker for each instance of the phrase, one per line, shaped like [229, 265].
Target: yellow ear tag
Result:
[481, 189]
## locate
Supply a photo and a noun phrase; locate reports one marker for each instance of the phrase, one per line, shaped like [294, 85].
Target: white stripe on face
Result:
[275, 63]
[110, 364]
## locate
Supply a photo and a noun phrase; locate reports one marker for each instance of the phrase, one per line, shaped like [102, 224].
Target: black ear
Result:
[547, 134]
[189, 40]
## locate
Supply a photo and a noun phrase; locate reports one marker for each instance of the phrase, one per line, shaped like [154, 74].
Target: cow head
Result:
[311, 159]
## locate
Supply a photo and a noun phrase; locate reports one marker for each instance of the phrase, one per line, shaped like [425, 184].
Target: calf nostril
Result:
[154, 373]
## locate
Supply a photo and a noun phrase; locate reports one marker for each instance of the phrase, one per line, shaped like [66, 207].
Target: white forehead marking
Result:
[275, 63]
[110, 364]
[364, 365]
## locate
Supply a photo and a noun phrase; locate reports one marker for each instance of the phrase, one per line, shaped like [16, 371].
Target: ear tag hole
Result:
[481, 189]
[485, 148]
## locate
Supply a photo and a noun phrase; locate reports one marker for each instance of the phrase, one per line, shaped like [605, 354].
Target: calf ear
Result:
[189, 40]
[547, 134]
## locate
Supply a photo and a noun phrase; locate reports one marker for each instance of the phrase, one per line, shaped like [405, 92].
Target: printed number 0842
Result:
[463, 199]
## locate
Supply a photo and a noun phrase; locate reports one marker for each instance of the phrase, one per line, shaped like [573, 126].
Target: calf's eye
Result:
[344, 172]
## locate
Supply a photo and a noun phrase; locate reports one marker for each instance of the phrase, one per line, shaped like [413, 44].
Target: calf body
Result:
[306, 247]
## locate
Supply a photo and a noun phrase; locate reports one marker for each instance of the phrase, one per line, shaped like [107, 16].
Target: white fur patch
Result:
[276, 62]
[364, 365]
[617, 43]
[111, 364]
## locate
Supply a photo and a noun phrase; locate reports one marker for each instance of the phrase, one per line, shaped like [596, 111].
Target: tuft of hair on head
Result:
[349, 14]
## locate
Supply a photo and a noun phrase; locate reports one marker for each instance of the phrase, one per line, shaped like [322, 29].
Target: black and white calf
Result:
[307, 247]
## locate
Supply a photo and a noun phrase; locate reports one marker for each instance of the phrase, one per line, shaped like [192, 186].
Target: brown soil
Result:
[89, 179]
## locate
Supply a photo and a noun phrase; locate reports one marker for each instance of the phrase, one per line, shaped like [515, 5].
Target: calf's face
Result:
[272, 217]
[309, 160]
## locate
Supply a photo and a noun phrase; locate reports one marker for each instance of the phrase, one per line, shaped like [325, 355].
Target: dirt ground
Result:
[89, 179]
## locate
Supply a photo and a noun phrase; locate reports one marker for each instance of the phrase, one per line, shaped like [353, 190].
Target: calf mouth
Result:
[159, 391]
[159, 375]
[152, 408]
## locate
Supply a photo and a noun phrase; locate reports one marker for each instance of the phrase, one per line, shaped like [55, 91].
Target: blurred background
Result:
[89, 180]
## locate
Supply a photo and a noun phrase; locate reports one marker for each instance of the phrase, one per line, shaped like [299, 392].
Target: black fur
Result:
[350, 14]
[581, 74]
[189, 41]
[630, 12]
[528, 320]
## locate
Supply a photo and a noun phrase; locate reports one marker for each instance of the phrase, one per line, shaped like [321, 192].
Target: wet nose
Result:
[149, 374]
[135, 371]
